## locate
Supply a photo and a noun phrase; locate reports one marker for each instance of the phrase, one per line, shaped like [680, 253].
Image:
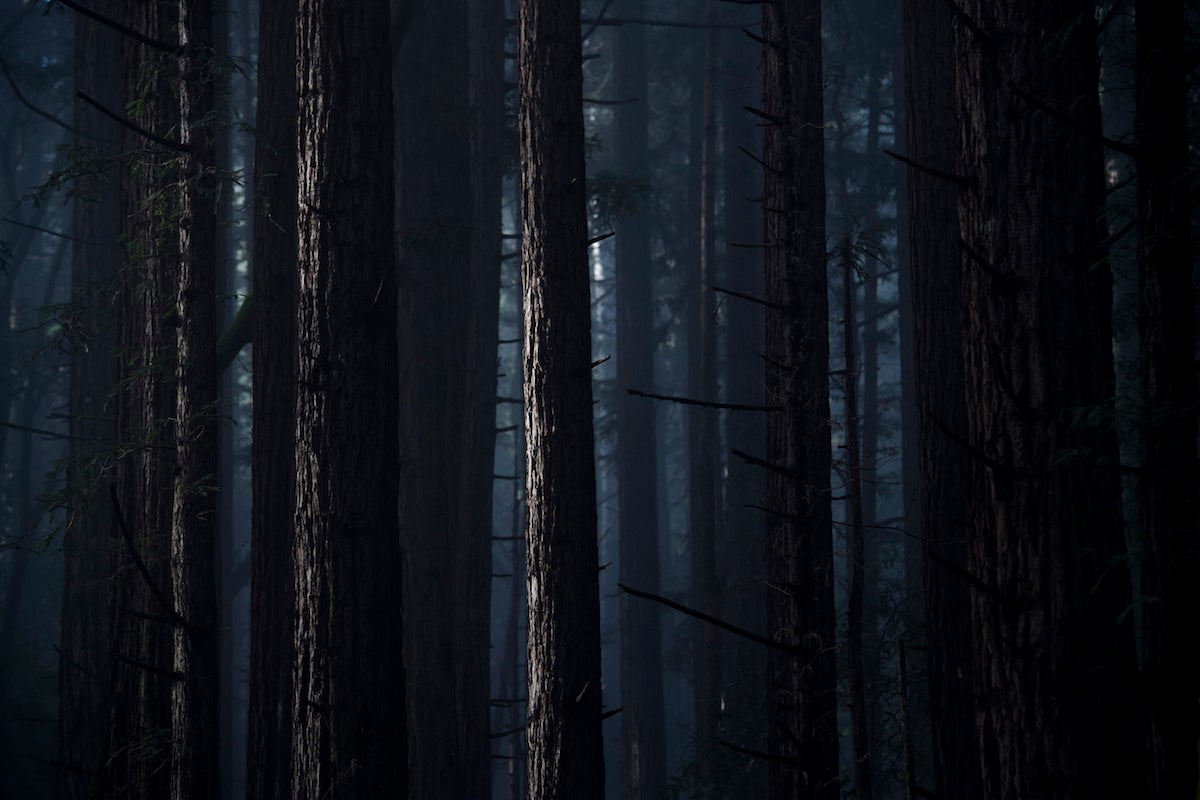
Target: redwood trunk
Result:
[801, 687]
[272, 584]
[1053, 648]
[566, 750]
[348, 702]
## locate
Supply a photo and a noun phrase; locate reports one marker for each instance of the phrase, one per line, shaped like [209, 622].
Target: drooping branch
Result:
[720, 623]
[688, 401]
[170, 144]
[937, 173]
[1074, 124]
[743, 296]
[759, 462]
[124, 30]
[151, 584]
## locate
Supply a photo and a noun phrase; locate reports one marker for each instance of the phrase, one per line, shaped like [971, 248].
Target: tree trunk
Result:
[275, 280]
[1169, 483]
[801, 686]
[194, 692]
[87, 540]
[1053, 648]
[745, 602]
[859, 703]
[704, 457]
[936, 378]
[643, 735]
[138, 762]
[348, 702]
[447, 558]
[566, 750]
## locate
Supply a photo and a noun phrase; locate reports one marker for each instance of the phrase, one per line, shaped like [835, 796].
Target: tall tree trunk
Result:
[1052, 644]
[859, 711]
[936, 379]
[745, 602]
[275, 281]
[566, 750]
[801, 685]
[703, 495]
[1170, 482]
[87, 540]
[348, 702]
[643, 735]
[194, 692]
[138, 762]
[447, 557]
[912, 544]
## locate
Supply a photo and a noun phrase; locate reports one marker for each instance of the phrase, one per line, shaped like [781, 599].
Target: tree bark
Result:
[1169, 484]
[1053, 648]
[194, 693]
[936, 378]
[348, 702]
[447, 557]
[566, 751]
[643, 735]
[141, 674]
[87, 541]
[859, 704]
[275, 280]
[802, 689]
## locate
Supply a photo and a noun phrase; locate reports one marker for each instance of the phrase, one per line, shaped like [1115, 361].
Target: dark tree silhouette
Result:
[802, 685]
[1050, 635]
[1170, 482]
[272, 584]
[937, 380]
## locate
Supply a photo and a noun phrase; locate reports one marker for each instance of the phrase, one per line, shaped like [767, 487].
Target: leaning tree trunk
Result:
[272, 584]
[1170, 482]
[802, 681]
[566, 748]
[1053, 646]
[348, 696]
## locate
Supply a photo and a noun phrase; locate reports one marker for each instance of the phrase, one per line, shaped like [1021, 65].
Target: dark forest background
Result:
[890, 432]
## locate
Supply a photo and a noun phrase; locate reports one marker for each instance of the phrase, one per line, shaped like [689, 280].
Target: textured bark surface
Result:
[643, 736]
[563, 729]
[141, 669]
[937, 379]
[87, 543]
[446, 556]
[1170, 482]
[348, 701]
[860, 731]
[1048, 595]
[194, 695]
[802, 687]
[272, 584]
